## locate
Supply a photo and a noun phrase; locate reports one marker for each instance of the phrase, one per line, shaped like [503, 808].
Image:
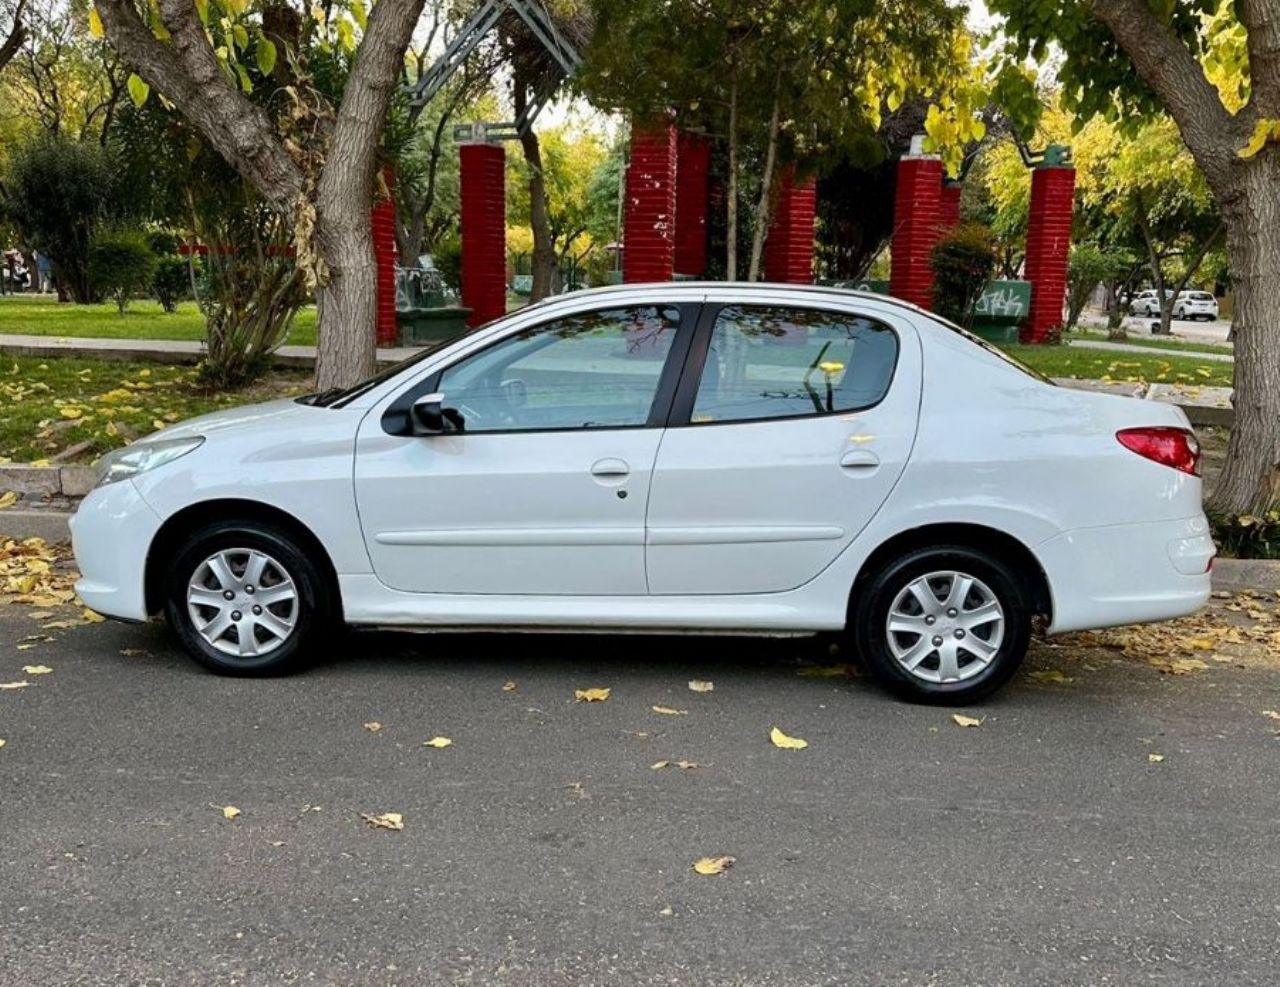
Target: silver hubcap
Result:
[945, 627]
[243, 602]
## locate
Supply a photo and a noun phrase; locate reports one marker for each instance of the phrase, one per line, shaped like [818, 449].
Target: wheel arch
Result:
[977, 536]
[167, 539]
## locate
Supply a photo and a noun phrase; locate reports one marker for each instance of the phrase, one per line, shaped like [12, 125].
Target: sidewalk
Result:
[160, 350]
[1101, 344]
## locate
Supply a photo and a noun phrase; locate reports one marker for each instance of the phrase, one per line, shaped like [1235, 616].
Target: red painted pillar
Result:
[1048, 244]
[384, 253]
[648, 239]
[693, 153]
[917, 217]
[484, 231]
[788, 248]
[949, 204]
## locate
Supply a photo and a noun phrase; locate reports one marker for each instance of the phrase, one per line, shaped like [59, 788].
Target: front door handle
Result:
[859, 459]
[610, 469]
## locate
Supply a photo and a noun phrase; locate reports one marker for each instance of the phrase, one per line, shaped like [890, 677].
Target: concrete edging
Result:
[47, 481]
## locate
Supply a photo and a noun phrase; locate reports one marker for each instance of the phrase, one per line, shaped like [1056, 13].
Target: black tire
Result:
[870, 614]
[313, 613]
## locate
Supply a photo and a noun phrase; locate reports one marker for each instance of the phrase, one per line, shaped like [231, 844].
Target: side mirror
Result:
[429, 416]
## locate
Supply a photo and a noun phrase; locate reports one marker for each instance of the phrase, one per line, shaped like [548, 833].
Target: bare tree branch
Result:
[17, 34]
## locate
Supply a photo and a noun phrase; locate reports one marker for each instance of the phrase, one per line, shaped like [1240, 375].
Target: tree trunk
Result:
[766, 192]
[544, 248]
[1250, 480]
[349, 298]
[731, 191]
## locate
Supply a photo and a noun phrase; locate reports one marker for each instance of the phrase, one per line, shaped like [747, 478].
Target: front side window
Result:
[593, 370]
[774, 362]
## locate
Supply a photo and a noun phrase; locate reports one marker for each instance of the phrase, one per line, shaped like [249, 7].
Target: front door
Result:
[544, 488]
[790, 429]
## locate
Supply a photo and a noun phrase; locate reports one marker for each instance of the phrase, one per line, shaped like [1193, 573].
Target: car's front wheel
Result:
[246, 599]
[943, 625]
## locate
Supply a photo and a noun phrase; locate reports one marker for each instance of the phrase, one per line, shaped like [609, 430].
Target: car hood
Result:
[271, 416]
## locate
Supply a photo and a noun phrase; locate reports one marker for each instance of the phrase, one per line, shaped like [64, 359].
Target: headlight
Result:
[135, 459]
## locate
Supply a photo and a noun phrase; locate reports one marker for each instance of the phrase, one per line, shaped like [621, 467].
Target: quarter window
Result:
[593, 370]
[789, 362]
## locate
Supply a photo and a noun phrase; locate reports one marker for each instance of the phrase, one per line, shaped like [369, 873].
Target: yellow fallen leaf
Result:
[8, 499]
[14, 685]
[966, 721]
[786, 743]
[40, 614]
[1, 741]
[699, 686]
[591, 695]
[385, 820]
[657, 765]
[1271, 714]
[157, 424]
[508, 686]
[669, 711]
[438, 742]
[1155, 758]
[826, 671]
[92, 617]
[1051, 675]
[37, 669]
[710, 866]
[1185, 666]
[230, 812]
[373, 726]
[70, 412]
[39, 462]
[28, 646]
[57, 625]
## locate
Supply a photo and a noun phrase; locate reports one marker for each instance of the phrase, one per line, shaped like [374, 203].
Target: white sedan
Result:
[1195, 305]
[667, 458]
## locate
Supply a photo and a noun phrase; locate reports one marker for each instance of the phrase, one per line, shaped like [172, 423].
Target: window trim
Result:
[395, 418]
[687, 391]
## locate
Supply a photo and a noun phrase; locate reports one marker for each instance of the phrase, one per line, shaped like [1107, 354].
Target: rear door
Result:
[791, 425]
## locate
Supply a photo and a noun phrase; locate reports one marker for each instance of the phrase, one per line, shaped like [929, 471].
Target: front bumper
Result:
[1127, 573]
[110, 535]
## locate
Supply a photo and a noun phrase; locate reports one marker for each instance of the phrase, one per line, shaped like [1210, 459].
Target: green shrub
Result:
[58, 192]
[121, 265]
[962, 260]
[1247, 536]
[170, 284]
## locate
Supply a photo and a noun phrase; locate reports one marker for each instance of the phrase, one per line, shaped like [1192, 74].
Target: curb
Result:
[47, 481]
[1238, 575]
[285, 357]
[52, 526]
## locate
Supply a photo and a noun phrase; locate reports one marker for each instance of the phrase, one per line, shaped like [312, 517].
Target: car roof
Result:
[747, 288]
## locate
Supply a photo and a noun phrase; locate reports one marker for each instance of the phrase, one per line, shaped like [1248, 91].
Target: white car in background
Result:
[1147, 303]
[669, 458]
[1195, 305]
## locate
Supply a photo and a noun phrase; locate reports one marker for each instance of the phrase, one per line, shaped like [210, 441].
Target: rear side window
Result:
[776, 362]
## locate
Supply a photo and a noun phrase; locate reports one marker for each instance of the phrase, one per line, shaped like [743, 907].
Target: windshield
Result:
[336, 397]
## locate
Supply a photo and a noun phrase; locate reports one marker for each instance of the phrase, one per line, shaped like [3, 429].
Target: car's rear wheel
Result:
[943, 625]
[246, 599]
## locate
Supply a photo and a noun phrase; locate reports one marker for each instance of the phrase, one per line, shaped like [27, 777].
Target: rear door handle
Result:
[859, 459]
[610, 468]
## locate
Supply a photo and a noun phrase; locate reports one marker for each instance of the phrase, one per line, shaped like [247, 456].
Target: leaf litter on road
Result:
[698, 685]
[786, 743]
[384, 820]
[711, 866]
[966, 721]
[593, 695]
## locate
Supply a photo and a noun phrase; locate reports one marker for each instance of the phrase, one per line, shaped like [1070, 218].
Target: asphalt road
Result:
[1044, 846]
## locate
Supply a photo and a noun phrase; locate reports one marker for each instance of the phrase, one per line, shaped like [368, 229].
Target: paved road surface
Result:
[541, 848]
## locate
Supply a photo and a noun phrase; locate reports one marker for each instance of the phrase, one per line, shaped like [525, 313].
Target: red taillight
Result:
[1174, 447]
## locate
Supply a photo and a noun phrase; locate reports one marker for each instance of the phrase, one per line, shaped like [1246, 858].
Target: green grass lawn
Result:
[1151, 342]
[41, 315]
[1066, 361]
[47, 406]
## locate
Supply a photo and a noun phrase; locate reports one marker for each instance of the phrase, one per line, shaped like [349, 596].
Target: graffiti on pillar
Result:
[1004, 302]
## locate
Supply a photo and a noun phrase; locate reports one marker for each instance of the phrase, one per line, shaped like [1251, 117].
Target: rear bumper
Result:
[110, 535]
[1127, 573]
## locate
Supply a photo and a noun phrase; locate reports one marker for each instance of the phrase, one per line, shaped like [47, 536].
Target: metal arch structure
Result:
[479, 24]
